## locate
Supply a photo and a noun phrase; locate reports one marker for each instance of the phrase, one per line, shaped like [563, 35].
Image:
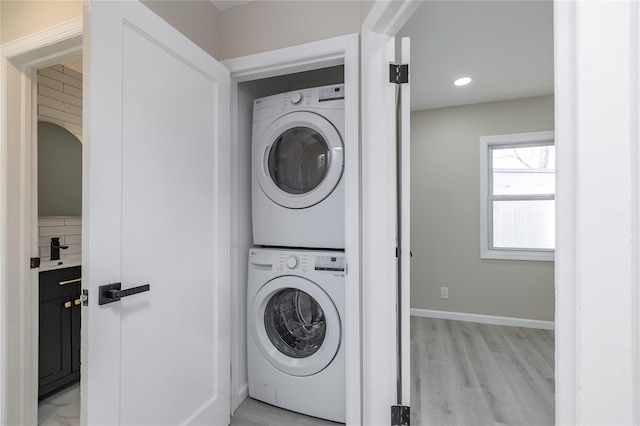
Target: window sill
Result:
[539, 256]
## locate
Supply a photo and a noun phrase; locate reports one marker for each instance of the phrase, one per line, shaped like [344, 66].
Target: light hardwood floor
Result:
[256, 413]
[478, 374]
[461, 374]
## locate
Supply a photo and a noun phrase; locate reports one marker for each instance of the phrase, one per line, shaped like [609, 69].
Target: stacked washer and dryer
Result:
[295, 294]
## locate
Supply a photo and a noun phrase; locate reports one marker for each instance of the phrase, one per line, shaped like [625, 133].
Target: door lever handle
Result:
[113, 292]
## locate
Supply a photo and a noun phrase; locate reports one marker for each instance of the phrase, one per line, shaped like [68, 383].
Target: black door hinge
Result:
[400, 415]
[398, 73]
[35, 262]
[85, 297]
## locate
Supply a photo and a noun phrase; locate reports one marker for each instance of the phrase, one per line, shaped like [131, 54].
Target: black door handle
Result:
[113, 292]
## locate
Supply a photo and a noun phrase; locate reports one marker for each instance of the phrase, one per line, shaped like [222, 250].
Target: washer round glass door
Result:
[299, 160]
[295, 325]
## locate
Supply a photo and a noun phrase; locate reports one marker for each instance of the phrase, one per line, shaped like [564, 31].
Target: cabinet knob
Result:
[77, 302]
[67, 305]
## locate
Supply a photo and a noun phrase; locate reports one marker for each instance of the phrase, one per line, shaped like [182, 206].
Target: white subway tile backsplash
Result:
[49, 82]
[67, 228]
[69, 257]
[73, 249]
[75, 129]
[73, 91]
[50, 102]
[61, 77]
[57, 231]
[51, 221]
[73, 220]
[60, 115]
[50, 120]
[73, 239]
[64, 97]
[45, 253]
[72, 109]
[72, 73]
[60, 102]
[44, 241]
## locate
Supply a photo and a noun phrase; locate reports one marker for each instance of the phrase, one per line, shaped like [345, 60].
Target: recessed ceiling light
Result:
[462, 81]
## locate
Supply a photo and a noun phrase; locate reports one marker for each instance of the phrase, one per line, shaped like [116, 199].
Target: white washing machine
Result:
[297, 168]
[295, 338]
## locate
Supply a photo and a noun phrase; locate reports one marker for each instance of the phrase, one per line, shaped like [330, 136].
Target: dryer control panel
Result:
[331, 93]
[329, 263]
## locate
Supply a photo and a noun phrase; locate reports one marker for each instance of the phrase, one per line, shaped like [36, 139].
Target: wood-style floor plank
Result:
[480, 374]
[256, 413]
[461, 374]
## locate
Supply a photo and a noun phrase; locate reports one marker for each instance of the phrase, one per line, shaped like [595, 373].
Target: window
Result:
[518, 186]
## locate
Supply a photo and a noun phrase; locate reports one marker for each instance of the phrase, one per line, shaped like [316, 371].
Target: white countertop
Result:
[67, 262]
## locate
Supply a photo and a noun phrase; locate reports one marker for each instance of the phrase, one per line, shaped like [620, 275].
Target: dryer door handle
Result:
[265, 159]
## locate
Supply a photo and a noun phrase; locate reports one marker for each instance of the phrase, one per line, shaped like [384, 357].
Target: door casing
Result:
[325, 53]
[18, 230]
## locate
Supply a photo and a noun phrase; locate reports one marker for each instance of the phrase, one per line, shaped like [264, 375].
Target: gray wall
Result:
[266, 25]
[59, 171]
[445, 214]
[260, 26]
[196, 19]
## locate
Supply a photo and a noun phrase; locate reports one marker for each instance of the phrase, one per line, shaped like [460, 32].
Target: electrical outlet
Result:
[444, 292]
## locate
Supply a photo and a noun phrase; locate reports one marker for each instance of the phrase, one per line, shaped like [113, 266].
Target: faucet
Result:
[55, 248]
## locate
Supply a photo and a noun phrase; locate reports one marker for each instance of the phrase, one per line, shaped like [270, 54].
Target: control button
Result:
[292, 262]
[296, 98]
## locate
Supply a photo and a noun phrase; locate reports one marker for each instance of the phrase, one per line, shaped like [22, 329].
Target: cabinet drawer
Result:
[50, 287]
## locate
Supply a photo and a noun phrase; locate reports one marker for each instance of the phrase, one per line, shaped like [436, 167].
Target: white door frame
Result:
[595, 246]
[597, 98]
[379, 209]
[310, 56]
[18, 230]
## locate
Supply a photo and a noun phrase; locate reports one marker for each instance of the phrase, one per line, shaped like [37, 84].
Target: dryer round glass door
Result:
[295, 325]
[299, 160]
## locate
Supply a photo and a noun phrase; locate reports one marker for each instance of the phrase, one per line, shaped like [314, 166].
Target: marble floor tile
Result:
[61, 409]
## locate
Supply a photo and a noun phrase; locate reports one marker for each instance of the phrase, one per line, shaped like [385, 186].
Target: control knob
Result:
[292, 262]
[296, 98]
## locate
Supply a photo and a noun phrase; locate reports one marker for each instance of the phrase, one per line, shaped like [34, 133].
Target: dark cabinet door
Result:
[54, 360]
[59, 329]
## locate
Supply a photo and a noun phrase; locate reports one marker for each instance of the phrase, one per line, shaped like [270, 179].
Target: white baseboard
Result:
[240, 396]
[485, 319]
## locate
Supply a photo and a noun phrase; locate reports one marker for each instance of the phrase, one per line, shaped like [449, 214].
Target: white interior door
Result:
[404, 191]
[157, 184]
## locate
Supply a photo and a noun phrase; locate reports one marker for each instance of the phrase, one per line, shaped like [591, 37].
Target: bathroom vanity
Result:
[59, 336]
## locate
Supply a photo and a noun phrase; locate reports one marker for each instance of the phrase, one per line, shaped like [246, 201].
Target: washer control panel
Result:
[292, 262]
[300, 262]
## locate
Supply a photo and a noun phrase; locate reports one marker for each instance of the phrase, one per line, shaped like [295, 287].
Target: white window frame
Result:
[487, 251]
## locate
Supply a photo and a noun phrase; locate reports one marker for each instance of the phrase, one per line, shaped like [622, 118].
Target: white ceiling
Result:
[505, 46]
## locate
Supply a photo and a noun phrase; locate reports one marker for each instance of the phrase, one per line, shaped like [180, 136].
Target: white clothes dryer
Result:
[297, 168]
[295, 338]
